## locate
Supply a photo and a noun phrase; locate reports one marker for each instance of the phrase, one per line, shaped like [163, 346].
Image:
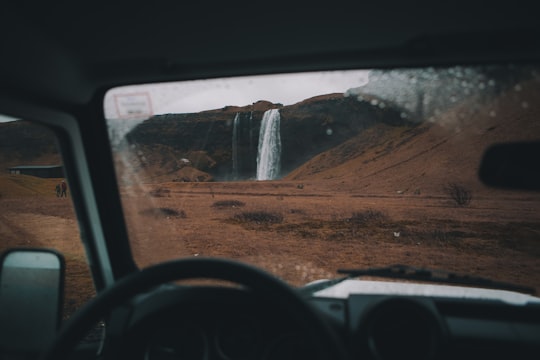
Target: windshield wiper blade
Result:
[436, 276]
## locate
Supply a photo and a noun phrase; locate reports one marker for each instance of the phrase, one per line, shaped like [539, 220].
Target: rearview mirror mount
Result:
[512, 166]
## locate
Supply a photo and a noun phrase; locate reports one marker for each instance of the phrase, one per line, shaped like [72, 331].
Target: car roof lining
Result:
[104, 45]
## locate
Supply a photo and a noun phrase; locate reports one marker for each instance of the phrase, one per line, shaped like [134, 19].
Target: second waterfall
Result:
[269, 152]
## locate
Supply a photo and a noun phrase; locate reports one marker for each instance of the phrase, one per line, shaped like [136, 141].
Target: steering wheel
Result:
[259, 282]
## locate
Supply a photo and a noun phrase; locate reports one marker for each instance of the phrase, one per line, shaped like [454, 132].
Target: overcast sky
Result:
[200, 95]
[4, 118]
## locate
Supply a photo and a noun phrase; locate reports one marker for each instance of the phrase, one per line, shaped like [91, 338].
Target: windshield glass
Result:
[303, 174]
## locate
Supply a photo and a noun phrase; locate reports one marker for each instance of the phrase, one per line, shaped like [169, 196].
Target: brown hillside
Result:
[26, 143]
[423, 159]
[157, 145]
[15, 186]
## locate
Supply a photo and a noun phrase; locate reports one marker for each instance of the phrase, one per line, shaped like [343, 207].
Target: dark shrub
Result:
[459, 193]
[259, 217]
[228, 204]
[160, 192]
[164, 212]
[367, 216]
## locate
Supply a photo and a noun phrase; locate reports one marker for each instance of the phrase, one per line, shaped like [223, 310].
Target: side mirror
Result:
[31, 292]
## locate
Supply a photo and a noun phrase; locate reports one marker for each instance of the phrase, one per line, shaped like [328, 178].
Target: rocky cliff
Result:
[26, 143]
[169, 143]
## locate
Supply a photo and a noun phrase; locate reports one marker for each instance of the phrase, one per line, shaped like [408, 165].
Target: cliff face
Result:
[208, 146]
[26, 143]
[206, 139]
[316, 125]
[359, 144]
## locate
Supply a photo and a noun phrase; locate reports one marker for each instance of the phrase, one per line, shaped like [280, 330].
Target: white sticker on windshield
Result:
[133, 105]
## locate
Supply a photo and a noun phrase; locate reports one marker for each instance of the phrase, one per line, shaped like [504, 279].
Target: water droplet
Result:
[517, 87]
[524, 104]
[481, 86]
[491, 82]
[329, 131]
[403, 115]
[492, 113]
[382, 105]
[453, 98]
[374, 102]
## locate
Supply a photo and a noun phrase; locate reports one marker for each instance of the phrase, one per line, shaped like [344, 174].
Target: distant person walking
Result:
[64, 189]
[58, 190]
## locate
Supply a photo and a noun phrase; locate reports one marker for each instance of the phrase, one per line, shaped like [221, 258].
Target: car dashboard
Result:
[417, 327]
[208, 322]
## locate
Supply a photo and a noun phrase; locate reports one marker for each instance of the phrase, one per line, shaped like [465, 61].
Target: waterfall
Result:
[250, 132]
[236, 123]
[269, 153]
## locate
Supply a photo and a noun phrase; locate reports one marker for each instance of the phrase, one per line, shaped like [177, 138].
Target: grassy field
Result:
[305, 233]
[299, 233]
[17, 185]
[32, 216]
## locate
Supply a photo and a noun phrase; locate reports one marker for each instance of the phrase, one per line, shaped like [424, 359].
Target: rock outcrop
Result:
[308, 128]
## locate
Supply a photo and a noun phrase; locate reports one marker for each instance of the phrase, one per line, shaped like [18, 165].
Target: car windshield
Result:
[303, 174]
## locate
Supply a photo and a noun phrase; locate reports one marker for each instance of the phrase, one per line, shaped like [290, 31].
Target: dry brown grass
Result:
[49, 222]
[318, 232]
[15, 186]
[323, 229]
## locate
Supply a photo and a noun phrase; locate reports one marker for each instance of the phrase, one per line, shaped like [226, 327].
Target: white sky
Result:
[4, 118]
[200, 95]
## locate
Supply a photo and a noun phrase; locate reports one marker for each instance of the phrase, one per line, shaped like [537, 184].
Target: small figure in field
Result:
[64, 189]
[58, 190]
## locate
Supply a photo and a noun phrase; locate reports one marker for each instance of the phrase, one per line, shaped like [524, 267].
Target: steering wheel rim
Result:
[251, 277]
